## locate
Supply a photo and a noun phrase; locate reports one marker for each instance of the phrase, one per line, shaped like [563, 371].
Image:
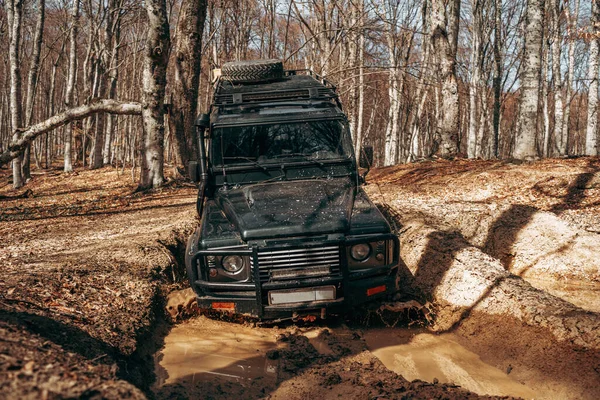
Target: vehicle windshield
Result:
[276, 143]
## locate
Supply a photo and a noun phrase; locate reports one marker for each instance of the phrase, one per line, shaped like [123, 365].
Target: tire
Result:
[252, 71]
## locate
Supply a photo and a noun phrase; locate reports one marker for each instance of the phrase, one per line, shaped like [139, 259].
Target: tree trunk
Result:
[113, 37]
[14, 11]
[51, 92]
[361, 82]
[66, 117]
[69, 99]
[154, 80]
[572, 32]
[184, 95]
[472, 151]
[556, 76]
[32, 81]
[391, 136]
[545, 91]
[497, 76]
[96, 160]
[591, 136]
[530, 78]
[444, 36]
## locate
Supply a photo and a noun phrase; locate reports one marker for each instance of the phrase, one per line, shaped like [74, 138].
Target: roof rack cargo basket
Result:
[228, 94]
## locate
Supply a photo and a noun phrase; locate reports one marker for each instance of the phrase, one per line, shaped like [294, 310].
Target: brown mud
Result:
[84, 259]
[222, 360]
[87, 264]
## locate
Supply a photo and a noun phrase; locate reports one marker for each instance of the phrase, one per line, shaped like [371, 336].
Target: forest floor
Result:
[87, 264]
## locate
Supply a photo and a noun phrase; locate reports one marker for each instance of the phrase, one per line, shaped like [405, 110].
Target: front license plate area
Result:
[304, 295]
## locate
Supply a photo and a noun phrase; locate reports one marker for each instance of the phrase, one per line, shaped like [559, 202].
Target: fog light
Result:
[212, 272]
[379, 257]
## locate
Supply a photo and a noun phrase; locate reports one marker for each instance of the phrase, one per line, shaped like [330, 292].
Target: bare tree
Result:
[69, 99]
[556, 73]
[32, 80]
[28, 134]
[154, 80]
[497, 83]
[184, 95]
[591, 137]
[445, 17]
[14, 11]
[530, 82]
[572, 21]
[113, 39]
[476, 76]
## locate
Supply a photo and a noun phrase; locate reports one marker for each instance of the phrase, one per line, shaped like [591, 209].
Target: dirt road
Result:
[87, 264]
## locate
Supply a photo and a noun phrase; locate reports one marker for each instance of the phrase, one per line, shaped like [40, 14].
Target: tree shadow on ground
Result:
[137, 367]
[503, 233]
[69, 337]
[87, 208]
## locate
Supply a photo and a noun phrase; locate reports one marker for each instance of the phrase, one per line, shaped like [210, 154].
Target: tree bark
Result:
[572, 32]
[445, 17]
[183, 109]
[497, 83]
[154, 80]
[591, 136]
[32, 81]
[391, 134]
[113, 38]
[530, 82]
[556, 75]
[472, 150]
[361, 81]
[69, 98]
[73, 114]
[14, 10]
[545, 91]
[96, 160]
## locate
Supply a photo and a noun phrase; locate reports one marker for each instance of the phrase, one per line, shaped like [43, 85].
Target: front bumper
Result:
[352, 288]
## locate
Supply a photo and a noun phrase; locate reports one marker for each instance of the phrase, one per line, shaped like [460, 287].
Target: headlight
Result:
[232, 264]
[361, 251]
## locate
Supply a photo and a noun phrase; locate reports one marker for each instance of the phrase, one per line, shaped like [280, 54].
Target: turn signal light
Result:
[223, 306]
[375, 290]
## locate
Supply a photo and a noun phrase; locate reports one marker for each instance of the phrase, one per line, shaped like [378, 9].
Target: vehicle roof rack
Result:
[299, 84]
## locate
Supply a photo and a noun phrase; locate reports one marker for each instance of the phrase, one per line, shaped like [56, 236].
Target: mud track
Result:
[87, 265]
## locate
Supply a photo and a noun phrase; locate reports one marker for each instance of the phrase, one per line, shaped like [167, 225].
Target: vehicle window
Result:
[314, 140]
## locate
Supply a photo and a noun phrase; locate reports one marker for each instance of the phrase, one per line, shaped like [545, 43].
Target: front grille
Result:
[298, 263]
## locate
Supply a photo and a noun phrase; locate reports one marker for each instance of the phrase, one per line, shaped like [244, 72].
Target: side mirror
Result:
[194, 170]
[365, 159]
[203, 121]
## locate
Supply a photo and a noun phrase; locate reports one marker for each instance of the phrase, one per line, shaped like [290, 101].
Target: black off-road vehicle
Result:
[286, 229]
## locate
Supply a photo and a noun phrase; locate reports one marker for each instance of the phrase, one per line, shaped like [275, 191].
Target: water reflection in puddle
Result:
[425, 356]
[200, 353]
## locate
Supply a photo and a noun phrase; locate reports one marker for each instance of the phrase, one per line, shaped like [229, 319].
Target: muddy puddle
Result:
[215, 359]
[418, 354]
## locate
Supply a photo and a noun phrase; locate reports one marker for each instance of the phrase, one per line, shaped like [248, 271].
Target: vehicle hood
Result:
[289, 208]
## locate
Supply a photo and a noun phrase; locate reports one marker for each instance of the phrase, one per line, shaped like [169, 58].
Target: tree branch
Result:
[73, 114]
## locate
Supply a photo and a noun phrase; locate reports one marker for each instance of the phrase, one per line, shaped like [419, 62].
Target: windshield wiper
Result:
[305, 157]
[251, 161]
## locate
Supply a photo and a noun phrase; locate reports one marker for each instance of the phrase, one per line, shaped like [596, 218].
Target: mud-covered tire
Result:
[252, 71]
